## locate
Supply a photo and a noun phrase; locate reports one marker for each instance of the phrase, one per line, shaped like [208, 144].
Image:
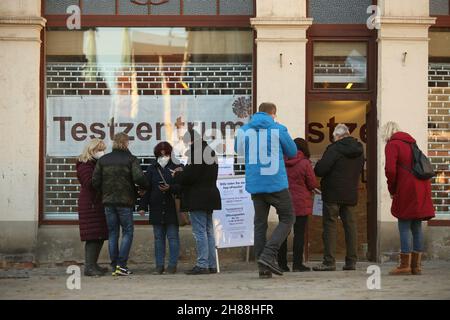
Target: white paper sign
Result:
[233, 225]
[226, 166]
[318, 205]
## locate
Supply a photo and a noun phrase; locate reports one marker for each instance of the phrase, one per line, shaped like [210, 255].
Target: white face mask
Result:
[99, 154]
[163, 161]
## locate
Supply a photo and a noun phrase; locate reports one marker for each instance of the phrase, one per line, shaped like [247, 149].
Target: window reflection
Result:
[340, 65]
[152, 83]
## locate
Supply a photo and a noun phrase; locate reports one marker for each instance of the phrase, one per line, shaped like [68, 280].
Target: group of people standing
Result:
[110, 185]
[290, 191]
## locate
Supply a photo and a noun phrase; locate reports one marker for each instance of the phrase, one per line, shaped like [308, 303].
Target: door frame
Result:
[349, 33]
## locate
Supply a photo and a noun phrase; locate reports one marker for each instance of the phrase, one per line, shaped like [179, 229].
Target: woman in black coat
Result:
[200, 197]
[159, 200]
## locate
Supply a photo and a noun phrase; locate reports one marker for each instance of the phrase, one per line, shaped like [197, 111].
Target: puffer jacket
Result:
[91, 213]
[340, 169]
[302, 182]
[116, 176]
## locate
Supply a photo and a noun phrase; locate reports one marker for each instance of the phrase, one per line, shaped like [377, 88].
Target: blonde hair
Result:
[388, 129]
[121, 141]
[89, 150]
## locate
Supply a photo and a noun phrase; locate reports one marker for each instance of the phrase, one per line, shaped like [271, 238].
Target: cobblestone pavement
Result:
[236, 281]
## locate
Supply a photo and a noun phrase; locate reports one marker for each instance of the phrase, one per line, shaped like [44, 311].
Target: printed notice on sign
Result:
[233, 225]
[318, 205]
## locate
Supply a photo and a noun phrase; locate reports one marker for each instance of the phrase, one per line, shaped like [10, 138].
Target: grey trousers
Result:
[281, 201]
[331, 212]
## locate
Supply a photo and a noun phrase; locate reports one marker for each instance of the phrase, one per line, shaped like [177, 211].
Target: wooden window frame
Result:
[216, 21]
[181, 20]
[351, 33]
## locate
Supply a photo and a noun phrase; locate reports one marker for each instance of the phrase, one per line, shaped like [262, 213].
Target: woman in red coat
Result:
[93, 228]
[302, 182]
[411, 197]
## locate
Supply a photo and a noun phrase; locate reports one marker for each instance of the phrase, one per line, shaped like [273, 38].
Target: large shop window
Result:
[340, 65]
[152, 83]
[439, 118]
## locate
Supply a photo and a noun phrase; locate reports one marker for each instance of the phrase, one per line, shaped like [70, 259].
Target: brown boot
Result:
[405, 265]
[416, 263]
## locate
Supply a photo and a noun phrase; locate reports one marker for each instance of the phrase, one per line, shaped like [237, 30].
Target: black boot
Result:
[282, 257]
[98, 249]
[91, 259]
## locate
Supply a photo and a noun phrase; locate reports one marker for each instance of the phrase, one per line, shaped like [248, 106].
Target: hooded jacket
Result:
[264, 172]
[340, 169]
[411, 196]
[302, 182]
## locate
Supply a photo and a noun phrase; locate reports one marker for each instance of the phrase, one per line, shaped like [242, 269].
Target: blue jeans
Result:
[160, 232]
[117, 217]
[202, 228]
[406, 228]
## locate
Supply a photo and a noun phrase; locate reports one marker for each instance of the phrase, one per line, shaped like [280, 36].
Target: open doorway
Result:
[322, 118]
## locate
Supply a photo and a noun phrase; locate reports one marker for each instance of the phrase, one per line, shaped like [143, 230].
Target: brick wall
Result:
[80, 79]
[439, 134]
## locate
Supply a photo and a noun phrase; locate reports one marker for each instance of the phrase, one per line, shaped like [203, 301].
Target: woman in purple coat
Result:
[93, 228]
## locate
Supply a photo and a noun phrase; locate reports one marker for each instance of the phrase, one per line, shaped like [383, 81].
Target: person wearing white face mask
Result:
[93, 228]
[159, 201]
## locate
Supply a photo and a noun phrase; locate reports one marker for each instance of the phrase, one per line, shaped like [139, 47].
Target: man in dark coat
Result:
[340, 169]
[200, 196]
[116, 176]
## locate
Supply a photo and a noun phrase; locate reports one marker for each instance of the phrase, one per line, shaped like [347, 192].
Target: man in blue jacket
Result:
[264, 143]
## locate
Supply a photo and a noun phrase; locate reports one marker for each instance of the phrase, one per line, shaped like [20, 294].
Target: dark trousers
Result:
[92, 249]
[331, 212]
[299, 243]
[281, 201]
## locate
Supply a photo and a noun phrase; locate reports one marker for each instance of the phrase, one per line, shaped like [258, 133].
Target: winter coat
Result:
[411, 196]
[161, 205]
[199, 181]
[261, 175]
[302, 182]
[91, 213]
[116, 176]
[340, 169]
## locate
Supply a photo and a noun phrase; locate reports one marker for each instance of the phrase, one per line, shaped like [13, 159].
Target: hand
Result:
[174, 172]
[142, 192]
[141, 213]
[164, 187]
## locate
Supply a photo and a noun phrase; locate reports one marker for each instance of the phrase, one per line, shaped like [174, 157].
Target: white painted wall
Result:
[402, 84]
[20, 26]
[281, 59]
